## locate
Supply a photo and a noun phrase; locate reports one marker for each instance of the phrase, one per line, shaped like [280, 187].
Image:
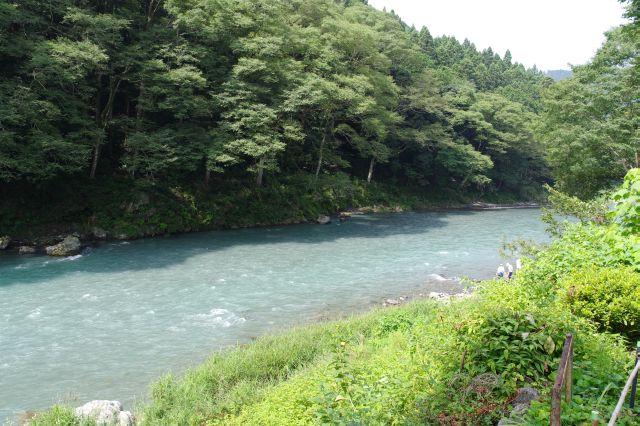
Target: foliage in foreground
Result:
[461, 364]
[60, 416]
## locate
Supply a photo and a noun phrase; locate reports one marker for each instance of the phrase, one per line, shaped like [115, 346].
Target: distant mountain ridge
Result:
[558, 75]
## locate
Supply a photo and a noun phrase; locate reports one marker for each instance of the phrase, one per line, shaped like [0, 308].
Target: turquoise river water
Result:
[105, 324]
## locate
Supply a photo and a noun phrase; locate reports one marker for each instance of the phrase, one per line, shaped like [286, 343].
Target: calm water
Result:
[105, 324]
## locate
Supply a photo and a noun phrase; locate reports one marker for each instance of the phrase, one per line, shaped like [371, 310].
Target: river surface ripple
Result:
[105, 324]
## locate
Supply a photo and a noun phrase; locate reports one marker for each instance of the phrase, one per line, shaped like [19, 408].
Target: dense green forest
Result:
[213, 98]
[166, 116]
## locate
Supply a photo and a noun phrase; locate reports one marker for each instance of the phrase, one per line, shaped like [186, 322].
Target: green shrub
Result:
[600, 368]
[516, 345]
[59, 416]
[610, 297]
[627, 198]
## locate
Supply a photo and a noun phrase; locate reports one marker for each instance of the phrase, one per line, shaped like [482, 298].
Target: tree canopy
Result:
[211, 90]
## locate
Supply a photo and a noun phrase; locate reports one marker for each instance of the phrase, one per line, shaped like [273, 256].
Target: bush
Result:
[59, 416]
[610, 297]
[627, 209]
[517, 345]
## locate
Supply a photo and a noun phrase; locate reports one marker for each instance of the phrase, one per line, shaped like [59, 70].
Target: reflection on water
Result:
[104, 324]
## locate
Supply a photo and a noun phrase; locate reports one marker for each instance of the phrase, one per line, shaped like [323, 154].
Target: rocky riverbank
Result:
[71, 239]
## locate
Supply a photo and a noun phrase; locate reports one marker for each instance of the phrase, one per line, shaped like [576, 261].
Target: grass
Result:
[229, 380]
[397, 366]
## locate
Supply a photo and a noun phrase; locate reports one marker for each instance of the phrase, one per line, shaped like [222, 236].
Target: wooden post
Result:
[568, 378]
[565, 370]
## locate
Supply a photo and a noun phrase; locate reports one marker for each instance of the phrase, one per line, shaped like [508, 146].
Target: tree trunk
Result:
[319, 166]
[96, 157]
[207, 175]
[328, 128]
[260, 171]
[102, 119]
[139, 117]
[98, 142]
[371, 165]
[464, 181]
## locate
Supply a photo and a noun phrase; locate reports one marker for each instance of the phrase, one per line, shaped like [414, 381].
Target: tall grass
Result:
[231, 379]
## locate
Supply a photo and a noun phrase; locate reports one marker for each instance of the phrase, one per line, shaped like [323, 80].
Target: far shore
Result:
[89, 239]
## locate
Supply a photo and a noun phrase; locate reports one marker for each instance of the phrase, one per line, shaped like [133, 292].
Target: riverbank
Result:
[96, 212]
[174, 300]
[467, 362]
[458, 363]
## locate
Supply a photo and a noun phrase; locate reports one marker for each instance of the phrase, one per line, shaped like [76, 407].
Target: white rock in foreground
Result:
[105, 413]
[446, 297]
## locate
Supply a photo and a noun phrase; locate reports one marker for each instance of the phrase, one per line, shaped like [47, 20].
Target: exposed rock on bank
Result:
[395, 302]
[69, 246]
[323, 220]
[99, 233]
[26, 250]
[105, 413]
[447, 297]
[4, 242]
[439, 297]
[479, 205]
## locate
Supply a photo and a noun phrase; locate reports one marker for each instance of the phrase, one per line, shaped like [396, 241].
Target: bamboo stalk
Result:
[623, 396]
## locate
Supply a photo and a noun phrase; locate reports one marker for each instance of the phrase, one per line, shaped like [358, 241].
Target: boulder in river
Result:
[69, 246]
[26, 250]
[4, 242]
[323, 220]
[105, 413]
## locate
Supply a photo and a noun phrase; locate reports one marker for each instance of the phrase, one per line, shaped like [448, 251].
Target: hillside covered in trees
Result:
[211, 99]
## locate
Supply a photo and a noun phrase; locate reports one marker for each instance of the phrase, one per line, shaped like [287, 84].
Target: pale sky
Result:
[548, 33]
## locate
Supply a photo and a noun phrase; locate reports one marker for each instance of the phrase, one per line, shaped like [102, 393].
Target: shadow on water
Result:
[155, 253]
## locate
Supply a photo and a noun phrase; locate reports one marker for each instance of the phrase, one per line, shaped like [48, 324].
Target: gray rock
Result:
[121, 236]
[526, 395]
[4, 242]
[441, 297]
[521, 404]
[69, 246]
[520, 409]
[99, 233]
[323, 220]
[105, 413]
[26, 250]
[507, 422]
[391, 302]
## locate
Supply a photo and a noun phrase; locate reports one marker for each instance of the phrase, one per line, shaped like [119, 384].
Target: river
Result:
[105, 324]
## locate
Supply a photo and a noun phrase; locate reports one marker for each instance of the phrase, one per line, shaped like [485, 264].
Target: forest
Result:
[217, 99]
[222, 97]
